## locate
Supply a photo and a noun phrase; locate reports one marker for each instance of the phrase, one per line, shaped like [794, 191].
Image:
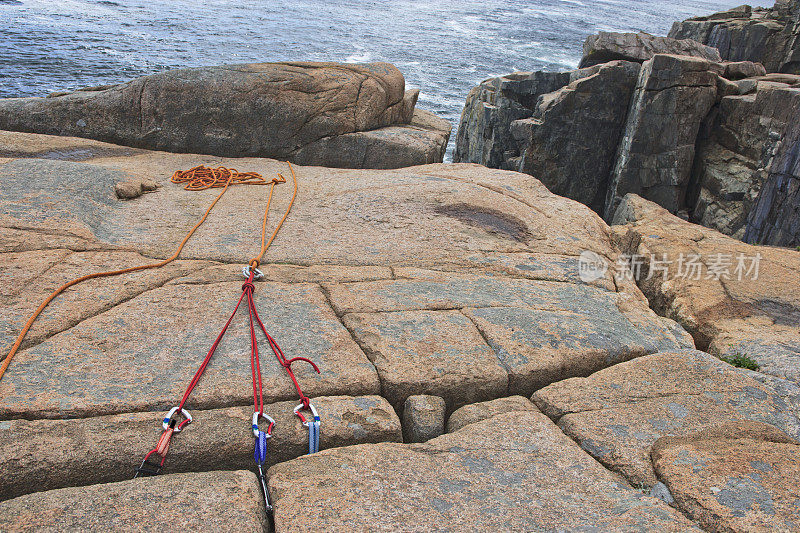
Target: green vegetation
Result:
[741, 360]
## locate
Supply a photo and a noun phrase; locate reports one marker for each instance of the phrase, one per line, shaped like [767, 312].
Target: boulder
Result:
[42, 455]
[423, 418]
[477, 412]
[738, 70]
[619, 413]
[513, 472]
[736, 157]
[672, 97]
[292, 111]
[767, 36]
[733, 478]
[608, 46]
[734, 298]
[423, 140]
[209, 501]
[570, 142]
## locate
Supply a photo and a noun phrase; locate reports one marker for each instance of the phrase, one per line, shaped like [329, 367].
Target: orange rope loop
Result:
[201, 178]
[196, 179]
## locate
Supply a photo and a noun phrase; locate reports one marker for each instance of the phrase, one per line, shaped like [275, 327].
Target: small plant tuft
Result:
[741, 360]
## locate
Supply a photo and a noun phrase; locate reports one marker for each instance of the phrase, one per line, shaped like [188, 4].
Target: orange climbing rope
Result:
[201, 178]
[196, 179]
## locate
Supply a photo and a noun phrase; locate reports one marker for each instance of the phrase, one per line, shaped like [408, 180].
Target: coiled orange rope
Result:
[201, 178]
[196, 179]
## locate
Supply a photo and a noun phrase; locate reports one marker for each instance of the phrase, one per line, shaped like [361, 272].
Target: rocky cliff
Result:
[767, 36]
[425, 293]
[337, 115]
[689, 130]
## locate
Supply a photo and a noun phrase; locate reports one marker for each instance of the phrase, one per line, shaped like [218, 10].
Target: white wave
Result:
[362, 57]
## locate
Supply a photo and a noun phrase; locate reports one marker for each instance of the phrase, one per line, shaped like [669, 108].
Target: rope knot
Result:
[248, 286]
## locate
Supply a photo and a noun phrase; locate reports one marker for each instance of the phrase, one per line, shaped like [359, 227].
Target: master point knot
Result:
[248, 286]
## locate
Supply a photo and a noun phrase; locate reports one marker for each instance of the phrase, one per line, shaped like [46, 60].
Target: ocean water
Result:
[443, 48]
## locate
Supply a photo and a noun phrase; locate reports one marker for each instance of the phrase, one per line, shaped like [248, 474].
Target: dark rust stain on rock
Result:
[491, 220]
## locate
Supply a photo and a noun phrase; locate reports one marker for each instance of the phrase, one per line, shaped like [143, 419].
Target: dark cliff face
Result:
[775, 218]
[767, 36]
[692, 130]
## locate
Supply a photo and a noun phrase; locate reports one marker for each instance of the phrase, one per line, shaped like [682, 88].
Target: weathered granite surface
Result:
[512, 472]
[423, 418]
[362, 253]
[734, 298]
[618, 413]
[453, 280]
[37, 455]
[210, 501]
[740, 477]
[476, 412]
[608, 46]
[310, 113]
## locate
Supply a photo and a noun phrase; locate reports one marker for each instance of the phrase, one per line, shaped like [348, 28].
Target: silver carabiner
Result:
[312, 425]
[268, 418]
[301, 417]
[168, 418]
[257, 273]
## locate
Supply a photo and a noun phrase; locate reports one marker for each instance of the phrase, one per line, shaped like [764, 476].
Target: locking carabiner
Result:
[169, 422]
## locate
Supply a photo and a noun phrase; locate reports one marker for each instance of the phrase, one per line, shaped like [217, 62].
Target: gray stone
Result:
[41, 455]
[423, 418]
[775, 216]
[738, 70]
[737, 150]
[209, 501]
[476, 412]
[608, 46]
[422, 141]
[570, 142]
[484, 134]
[767, 36]
[290, 111]
[513, 472]
[673, 96]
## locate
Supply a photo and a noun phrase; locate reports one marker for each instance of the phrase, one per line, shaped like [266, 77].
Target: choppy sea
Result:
[443, 48]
